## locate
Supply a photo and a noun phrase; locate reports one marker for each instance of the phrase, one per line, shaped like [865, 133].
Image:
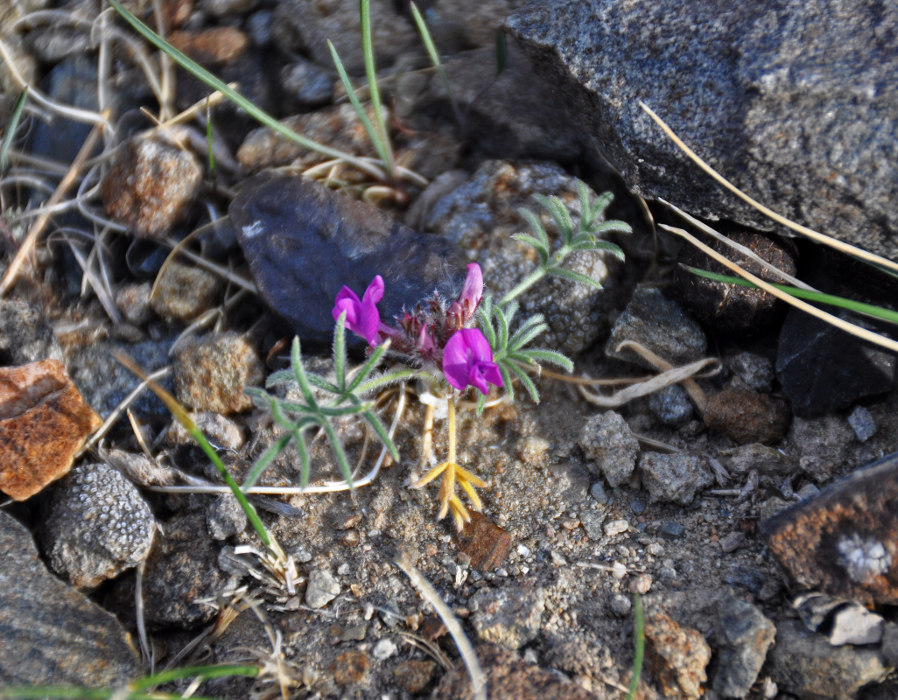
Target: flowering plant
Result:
[447, 346]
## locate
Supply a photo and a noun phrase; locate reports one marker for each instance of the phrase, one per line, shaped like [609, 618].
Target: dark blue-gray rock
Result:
[51, 633]
[823, 369]
[307, 85]
[751, 371]
[96, 526]
[671, 405]
[794, 101]
[105, 383]
[661, 325]
[743, 635]
[304, 242]
[862, 422]
[804, 663]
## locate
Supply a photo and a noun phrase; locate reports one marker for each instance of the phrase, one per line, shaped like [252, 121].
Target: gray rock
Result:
[307, 85]
[753, 372]
[821, 444]
[779, 97]
[673, 477]
[755, 456]
[52, 634]
[805, 664]
[182, 569]
[305, 26]
[890, 644]
[479, 215]
[224, 517]
[221, 431]
[25, 335]
[671, 405]
[210, 373]
[304, 243]
[592, 521]
[321, 588]
[97, 525]
[473, 22]
[509, 617]
[660, 325]
[490, 105]
[862, 423]
[744, 636]
[607, 439]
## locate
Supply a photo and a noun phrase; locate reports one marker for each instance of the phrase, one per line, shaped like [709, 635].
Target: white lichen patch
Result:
[863, 558]
[254, 229]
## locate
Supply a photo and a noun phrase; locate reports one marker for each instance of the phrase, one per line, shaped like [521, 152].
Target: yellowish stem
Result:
[451, 404]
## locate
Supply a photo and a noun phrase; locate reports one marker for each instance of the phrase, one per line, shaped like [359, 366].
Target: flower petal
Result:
[472, 291]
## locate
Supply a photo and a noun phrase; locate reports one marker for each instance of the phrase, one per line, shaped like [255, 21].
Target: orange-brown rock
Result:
[485, 542]
[44, 421]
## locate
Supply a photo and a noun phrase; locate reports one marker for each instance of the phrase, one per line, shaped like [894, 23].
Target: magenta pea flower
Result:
[463, 310]
[468, 360]
[362, 316]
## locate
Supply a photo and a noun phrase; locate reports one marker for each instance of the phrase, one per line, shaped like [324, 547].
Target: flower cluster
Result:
[434, 334]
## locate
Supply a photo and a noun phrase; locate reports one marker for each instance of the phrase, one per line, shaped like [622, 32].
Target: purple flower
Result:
[463, 310]
[362, 316]
[468, 360]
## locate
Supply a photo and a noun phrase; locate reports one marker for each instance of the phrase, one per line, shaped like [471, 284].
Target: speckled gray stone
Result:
[480, 215]
[744, 636]
[674, 478]
[671, 405]
[53, 634]
[607, 439]
[97, 525]
[509, 617]
[794, 101]
[25, 336]
[659, 324]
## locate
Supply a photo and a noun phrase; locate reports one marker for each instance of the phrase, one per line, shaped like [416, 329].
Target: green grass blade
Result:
[11, 127]
[870, 310]
[204, 672]
[255, 112]
[373, 133]
[638, 646]
[374, 89]
[435, 59]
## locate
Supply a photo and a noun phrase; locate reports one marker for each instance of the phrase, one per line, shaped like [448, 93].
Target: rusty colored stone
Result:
[44, 422]
[350, 667]
[676, 656]
[747, 417]
[484, 542]
[415, 675]
[150, 185]
[211, 373]
[844, 540]
[213, 45]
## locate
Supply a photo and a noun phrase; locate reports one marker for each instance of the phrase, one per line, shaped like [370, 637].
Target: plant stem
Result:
[450, 402]
[524, 285]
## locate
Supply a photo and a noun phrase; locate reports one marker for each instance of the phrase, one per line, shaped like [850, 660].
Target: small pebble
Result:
[731, 542]
[862, 423]
[672, 529]
[321, 589]
[637, 506]
[384, 649]
[616, 527]
[642, 584]
[621, 605]
[597, 491]
[618, 570]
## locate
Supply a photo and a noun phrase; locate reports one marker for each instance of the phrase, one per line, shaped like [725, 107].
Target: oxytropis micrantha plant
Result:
[447, 347]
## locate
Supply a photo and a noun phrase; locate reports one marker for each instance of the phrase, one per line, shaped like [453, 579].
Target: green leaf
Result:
[562, 218]
[533, 242]
[323, 384]
[536, 226]
[387, 379]
[550, 356]
[612, 226]
[303, 451]
[525, 380]
[281, 376]
[265, 459]
[599, 205]
[502, 329]
[369, 366]
[506, 379]
[575, 276]
[12, 126]
[299, 373]
[339, 452]
[382, 433]
[525, 334]
[339, 351]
